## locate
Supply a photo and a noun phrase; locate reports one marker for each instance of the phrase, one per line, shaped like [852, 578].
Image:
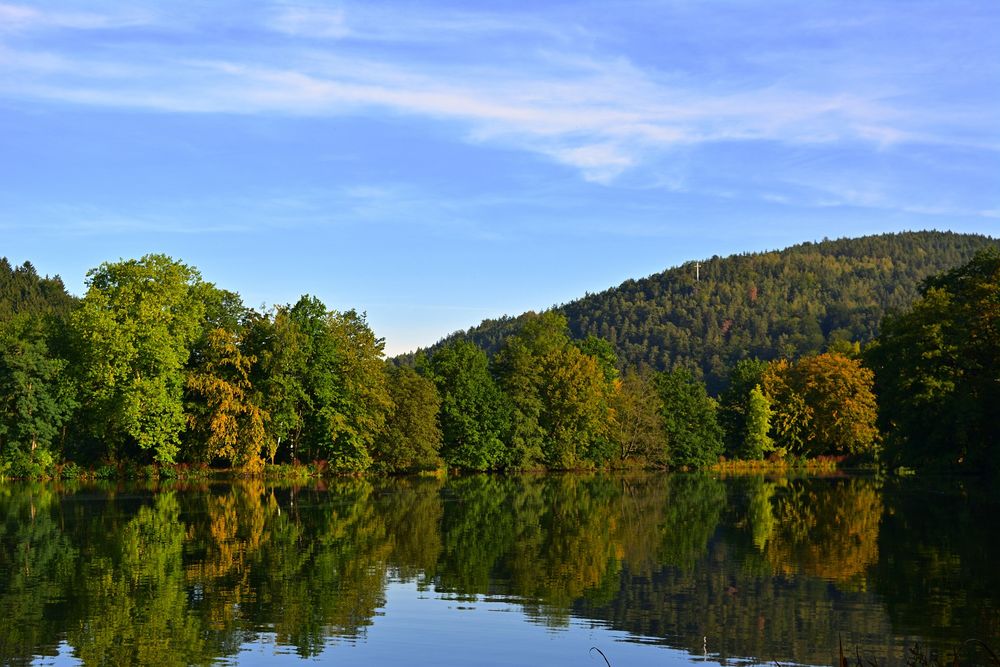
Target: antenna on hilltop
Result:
[697, 272]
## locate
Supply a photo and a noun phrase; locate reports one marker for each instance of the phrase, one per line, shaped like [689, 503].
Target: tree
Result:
[412, 437]
[560, 395]
[758, 425]
[734, 406]
[637, 423]
[277, 376]
[224, 420]
[474, 415]
[693, 434]
[936, 371]
[823, 405]
[839, 392]
[134, 330]
[344, 380]
[37, 395]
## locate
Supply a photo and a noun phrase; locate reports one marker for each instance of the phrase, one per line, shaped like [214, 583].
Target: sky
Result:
[437, 163]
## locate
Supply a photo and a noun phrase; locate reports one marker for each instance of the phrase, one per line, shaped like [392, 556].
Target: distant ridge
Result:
[767, 304]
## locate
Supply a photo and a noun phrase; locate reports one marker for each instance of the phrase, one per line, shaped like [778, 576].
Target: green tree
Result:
[37, 396]
[344, 379]
[474, 415]
[135, 328]
[693, 434]
[936, 369]
[277, 377]
[412, 437]
[758, 425]
[560, 394]
[734, 405]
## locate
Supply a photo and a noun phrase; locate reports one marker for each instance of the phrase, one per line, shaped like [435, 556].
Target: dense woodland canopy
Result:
[153, 365]
[781, 304]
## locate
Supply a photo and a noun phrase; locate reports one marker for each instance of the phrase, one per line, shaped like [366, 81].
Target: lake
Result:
[651, 569]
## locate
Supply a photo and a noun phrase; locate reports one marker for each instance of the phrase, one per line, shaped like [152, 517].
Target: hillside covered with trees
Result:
[769, 305]
[154, 366]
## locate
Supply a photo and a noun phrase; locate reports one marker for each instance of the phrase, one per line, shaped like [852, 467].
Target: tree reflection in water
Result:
[771, 568]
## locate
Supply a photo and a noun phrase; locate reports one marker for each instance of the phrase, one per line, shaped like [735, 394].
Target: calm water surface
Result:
[530, 570]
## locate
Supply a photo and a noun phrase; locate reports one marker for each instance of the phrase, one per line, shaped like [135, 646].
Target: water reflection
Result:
[767, 568]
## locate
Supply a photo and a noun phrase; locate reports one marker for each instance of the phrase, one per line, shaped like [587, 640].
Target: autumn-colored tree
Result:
[824, 404]
[223, 419]
[637, 424]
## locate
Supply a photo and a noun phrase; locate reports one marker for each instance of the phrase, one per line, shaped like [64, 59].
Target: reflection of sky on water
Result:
[423, 627]
[506, 570]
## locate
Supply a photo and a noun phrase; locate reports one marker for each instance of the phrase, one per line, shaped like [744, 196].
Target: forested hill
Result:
[22, 290]
[782, 303]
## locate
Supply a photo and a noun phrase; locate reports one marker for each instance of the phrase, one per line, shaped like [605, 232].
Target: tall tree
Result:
[936, 369]
[693, 434]
[134, 329]
[411, 439]
[345, 382]
[277, 377]
[734, 405]
[224, 419]
[37, 395]
[758, 441]
[560, 394]
[637, 422]
[474, 416]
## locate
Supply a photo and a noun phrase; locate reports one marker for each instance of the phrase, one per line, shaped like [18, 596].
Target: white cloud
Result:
[600, 115]
[20, 18]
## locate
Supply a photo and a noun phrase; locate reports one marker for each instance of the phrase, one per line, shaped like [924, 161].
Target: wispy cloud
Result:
[23, 18]
[581, 106]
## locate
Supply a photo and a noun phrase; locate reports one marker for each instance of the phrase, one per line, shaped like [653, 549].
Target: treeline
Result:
[155, 365]
[770, 305]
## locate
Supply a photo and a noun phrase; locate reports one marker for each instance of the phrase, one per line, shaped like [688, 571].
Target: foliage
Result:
[559, 394]
[411, 439]
[134, 330]
[693, 434]
[766, 305]
[637, 422]
[225, 422]
[37, 396]
[734, 406]
[277, 377]
[474, 415]
[936, 369]
[758, 425]
[839, 393]
[343, 382]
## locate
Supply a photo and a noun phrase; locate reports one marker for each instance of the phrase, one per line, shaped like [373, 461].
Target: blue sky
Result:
[438, 163]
